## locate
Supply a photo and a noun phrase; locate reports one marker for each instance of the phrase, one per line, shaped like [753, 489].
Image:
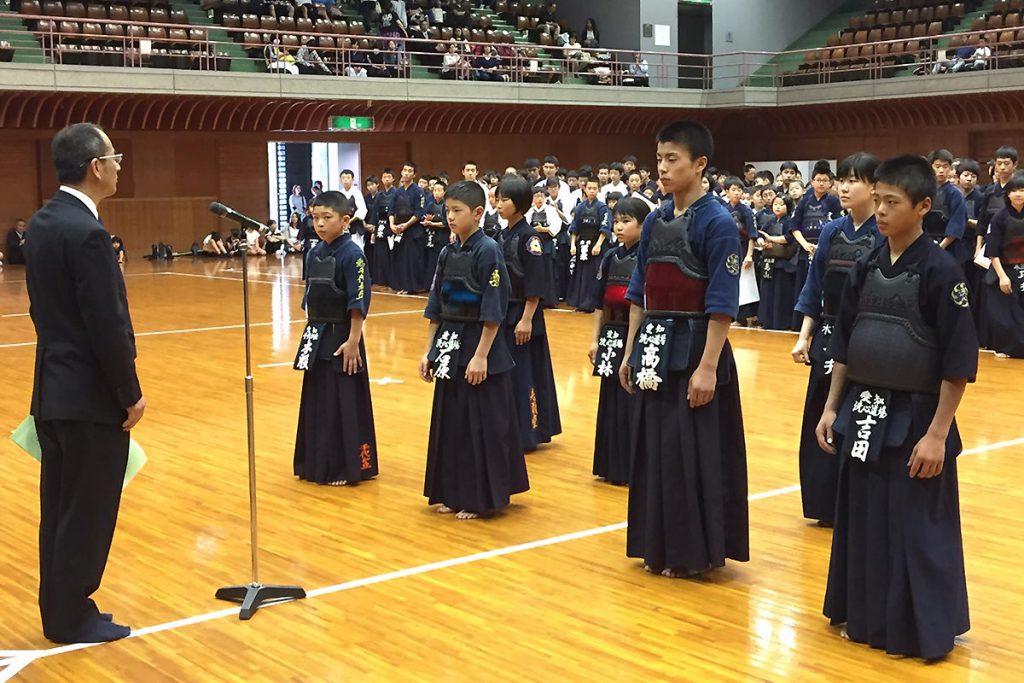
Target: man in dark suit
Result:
[16, 243]
[86, 396]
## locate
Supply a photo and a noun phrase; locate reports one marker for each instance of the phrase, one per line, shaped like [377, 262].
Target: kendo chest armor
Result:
[891, 346]
[403, 207]
[492, 227]
[620, 270]
[737, 218]
[996, 203]
[842, 254]
[935, 222]
[539, 219]
[774, 227]
[461, 292]
[815, 216]
[676, 280]
[589, 226]
[1013, 241]
[325, 301]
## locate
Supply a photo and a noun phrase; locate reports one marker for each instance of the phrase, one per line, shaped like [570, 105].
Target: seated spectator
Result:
[394, 60]
[452, 63]
[378, 65]
[233, 241]
[961, 55]
[436, 13]
[459, 13]
[368, 8]
[421, 30]
[309, 60]
[356, 70]
[303, 9]
[16, 243]
[591, 36]
[254, 242]
[278, 58]
[487, 67]
[279, 8]
[214, 245]
[461, 36]
[118, 244]
[977, 61]
[637, 73]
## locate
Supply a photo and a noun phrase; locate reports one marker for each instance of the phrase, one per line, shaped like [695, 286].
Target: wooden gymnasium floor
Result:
[398, 592]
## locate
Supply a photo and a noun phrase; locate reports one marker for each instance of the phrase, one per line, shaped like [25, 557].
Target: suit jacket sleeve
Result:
[99, 291]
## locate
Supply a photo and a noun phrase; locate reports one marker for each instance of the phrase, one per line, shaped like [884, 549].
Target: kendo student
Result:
[1004, 165]
[613, 437]
[1004, 245]
[547, 220]
[383, 238]
[590, 229]
[335, 442]
[812, 212]
[405, 214]
[896, 574]
[947, 222]
[435, 224]
[475, 458]
[562, 208]
[778, 266]
[843, 242]
[743, 218]
[529, 261]
[688, 482]
[968, 172]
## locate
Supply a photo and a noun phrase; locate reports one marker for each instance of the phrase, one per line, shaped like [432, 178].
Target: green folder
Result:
[26, 438]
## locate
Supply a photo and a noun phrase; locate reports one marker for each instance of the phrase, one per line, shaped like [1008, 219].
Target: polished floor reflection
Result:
[544, 592]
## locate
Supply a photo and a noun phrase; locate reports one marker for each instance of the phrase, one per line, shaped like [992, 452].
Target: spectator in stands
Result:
[356, 69]
[638, 72]
[452, 63]
[962, 54]
[309, 60]
[487, 67]
[389, 26]
[278, 58]
[399, 8]
[574, 52]
[303, 8]
[421, 30]
[16, 243]
[461, 37]
[459, 13]
[254, 242]
[591, 36]
[978, 61]
[368, 9]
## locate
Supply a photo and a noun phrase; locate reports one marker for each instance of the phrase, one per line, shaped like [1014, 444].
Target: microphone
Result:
[231, 214]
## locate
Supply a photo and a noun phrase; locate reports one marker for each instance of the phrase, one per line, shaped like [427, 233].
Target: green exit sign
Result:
[350, 123]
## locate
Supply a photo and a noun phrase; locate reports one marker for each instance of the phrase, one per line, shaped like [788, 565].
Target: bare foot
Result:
[340, 482]
[466, 514]
[681, 573]
[1000, 354]
[444, 509]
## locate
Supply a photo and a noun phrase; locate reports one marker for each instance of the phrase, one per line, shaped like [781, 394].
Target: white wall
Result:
[618, 21]
[759, 26]
[664, 71]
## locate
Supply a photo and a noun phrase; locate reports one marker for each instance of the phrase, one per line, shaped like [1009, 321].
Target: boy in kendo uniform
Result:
[589, 231]
[613, 435]
[905, 349]
[475, 458]
[529, 260]
[688, 483]
[843, 242]
[812, 212]
[335, 442]
[382, 237]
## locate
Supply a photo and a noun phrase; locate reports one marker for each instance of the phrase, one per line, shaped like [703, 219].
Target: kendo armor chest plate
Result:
[325, 301]
[676, 280]
[935, 222]
[1013, 241]
[842, 254]
[589, 227]
[461, 293]
[620, 270]
[891, 346]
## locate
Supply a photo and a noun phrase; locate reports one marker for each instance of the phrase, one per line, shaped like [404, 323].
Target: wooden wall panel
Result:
[19, 183]
[178, 221]
[242, 173]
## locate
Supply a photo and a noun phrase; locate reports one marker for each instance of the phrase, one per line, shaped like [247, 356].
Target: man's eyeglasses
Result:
[116, 157]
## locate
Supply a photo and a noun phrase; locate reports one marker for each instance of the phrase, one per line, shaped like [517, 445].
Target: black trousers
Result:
[80, 491]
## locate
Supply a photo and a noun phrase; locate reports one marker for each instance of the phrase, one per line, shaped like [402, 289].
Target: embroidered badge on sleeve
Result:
[495, 278]
[732, 264]
[534, 247]
[960, 295]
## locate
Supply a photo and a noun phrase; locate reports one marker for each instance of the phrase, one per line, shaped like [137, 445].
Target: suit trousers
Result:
[83, 467]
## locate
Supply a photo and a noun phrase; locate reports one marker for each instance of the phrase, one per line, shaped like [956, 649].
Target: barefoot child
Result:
[475, 459]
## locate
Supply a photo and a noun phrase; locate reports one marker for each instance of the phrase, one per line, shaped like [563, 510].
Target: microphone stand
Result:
[254, 594]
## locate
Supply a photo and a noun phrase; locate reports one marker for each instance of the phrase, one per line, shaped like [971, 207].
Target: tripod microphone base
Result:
[253, 595]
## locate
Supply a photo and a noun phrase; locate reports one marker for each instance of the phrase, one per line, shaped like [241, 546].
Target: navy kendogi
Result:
[743, 217]
[777, 269]
[809, 216]
[1005, 312]
[475, 458]
[841, 245]
[589, 222]
[613, 437]
[896, 575]
[528, 259]
[435, 239]
[335, 440]
[409, 258]
[688, 483]
[948, 218]
[382, 239]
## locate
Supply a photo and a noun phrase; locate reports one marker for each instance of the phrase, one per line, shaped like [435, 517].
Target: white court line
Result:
[217, 328]
[422, 569]
[14, 315]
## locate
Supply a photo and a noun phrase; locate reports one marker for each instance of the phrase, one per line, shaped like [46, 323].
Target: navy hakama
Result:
[582, 279]
[819, 471]
[613, 438]
[1005, 313]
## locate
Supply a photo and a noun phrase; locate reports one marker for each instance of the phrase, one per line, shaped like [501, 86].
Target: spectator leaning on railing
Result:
[977, 61]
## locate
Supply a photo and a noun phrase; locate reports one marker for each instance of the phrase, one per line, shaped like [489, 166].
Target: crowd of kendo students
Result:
[401, 224]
